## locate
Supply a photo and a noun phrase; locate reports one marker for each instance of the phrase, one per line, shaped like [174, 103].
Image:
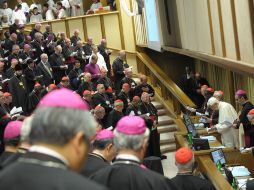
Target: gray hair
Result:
[188, 166]
[217, 95]
[56, 126]
[133, 142]
[25, 129]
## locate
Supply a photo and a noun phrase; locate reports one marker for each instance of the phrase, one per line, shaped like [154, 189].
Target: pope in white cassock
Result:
[227, 116]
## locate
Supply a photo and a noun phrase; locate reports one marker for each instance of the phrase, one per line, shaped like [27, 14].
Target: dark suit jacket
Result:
[41, 177]
[30, 75]
[39, 49]
[55, 62]
[47, 78]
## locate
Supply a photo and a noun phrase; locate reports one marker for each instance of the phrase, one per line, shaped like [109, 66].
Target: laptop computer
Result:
[200, 144]
[218, 155]
[189, 125]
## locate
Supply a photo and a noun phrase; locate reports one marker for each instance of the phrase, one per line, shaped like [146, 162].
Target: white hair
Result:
[133, 142]
[212, 101]
[25, 129]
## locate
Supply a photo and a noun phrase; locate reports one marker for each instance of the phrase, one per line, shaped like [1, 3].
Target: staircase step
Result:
[162, 112]
[168, 148]
[165, 120]
[158, 105]
[167, 128]
[167, 138]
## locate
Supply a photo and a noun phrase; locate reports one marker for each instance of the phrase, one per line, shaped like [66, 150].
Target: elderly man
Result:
[149, 113]
[242, 99]
[85, 83]
[127, 166]
[227, 116]
[93, 68]
[75, 38]
[57, 63]
[128, 78]
[104, 79]
[99, 114]
[37, 28]
[125, 96]
[103, 153]
[81, 54]
[75, 75]
[144, 87]
[38, 46]
[101, 62]
[185, 162]
[18, 88]
[11, 139]
[106, 54]
[44, 69]
[88, 46]
[87, 97]
[116, 114]
[101, 98]
[249, 133]
[118, 66]
[59, 144]
[133, 109]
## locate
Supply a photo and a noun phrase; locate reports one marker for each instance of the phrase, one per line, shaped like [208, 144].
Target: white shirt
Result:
[7, 12]
[66, 4]
[227, 115]
[101, 62]
[50, 15]
[95, 6]
[25, 7]
[47, 151]
[36, 5]
[19, 14]
[62, 13]
[36, 18]
[128, 157]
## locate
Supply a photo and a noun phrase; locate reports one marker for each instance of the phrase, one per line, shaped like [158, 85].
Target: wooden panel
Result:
[94, 29]
[76, 24]
[132, 61]
[244, 30]
[189, 10]
[112, 31]
[202, 27]
[128, 33]
[182, 24]
[228, 29]
[216, 28]
[58, 27]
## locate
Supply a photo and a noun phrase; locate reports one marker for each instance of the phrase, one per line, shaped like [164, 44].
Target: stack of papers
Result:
[217, 147]
[209, 138]
[239, 171]
[242, 182]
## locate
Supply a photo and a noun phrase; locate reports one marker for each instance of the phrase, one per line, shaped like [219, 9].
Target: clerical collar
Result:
[98, 155]
[127, 157]
[47, 151]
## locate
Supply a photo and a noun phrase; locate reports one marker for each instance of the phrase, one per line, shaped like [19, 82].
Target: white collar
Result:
[128, 157]
[47, 151]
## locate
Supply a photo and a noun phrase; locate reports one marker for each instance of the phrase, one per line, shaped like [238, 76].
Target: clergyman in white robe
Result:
[227, 116]
[76, 7]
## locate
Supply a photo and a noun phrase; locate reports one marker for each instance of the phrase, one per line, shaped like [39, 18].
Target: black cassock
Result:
[103, 52]
[118, 70]
[93, 164]
[113, 117]
[154, 140]
[55, 62]
[74, 78]
[190, 182]
[103, 100]
[4, 120]
[18, 88]
[139, 90]
[43, 172]
[34, 98]
[128, 175]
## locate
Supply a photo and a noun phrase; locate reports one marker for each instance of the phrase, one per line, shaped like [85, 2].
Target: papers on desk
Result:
[242, 182]
[239, 171]
[209, 138]
[217, 147]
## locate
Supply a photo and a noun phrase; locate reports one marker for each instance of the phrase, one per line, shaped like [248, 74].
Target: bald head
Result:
[143, 79]
[122, 54]
[90, 40]
[37, 26]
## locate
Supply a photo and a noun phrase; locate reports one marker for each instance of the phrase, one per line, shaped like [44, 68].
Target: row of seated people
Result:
[50, 10]
[52, 145]
[31, 71]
